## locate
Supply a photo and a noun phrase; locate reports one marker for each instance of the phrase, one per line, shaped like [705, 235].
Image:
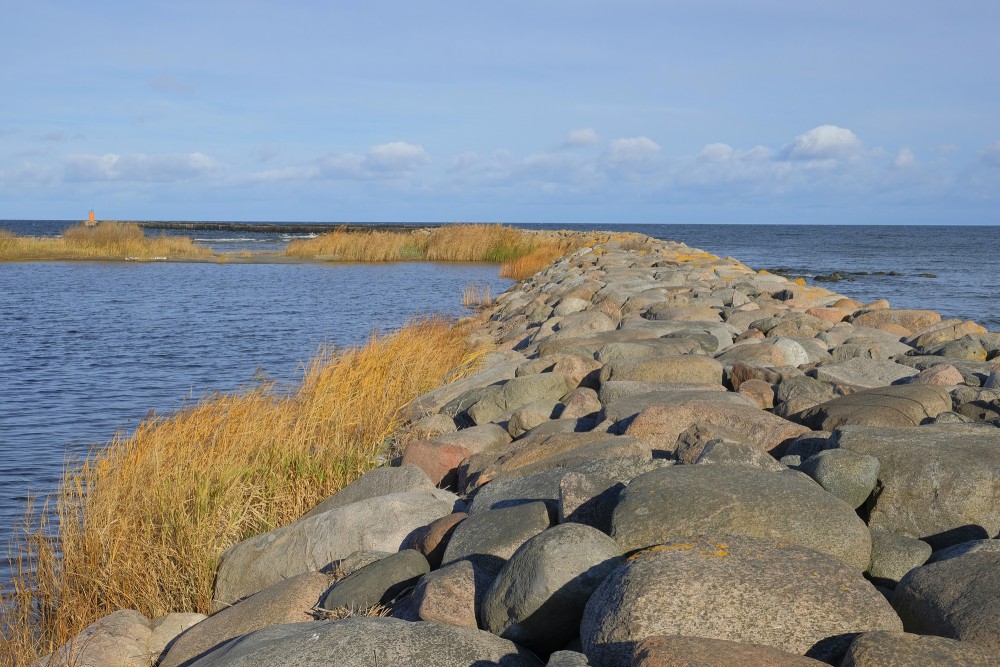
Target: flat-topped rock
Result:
[787, 507]
[895, 406]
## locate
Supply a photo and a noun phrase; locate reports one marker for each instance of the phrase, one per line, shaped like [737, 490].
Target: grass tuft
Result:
[141, 524]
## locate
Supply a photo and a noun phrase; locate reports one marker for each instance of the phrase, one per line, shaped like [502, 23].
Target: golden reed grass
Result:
[515, 249]
[142, 523]
[105, 240]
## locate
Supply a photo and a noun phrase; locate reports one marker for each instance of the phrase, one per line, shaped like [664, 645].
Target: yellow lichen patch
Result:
[800, 281]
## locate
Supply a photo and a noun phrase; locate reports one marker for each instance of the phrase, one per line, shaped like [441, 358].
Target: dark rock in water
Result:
[927, 275]
[957, 598]
[672, 503]
[538, 598]
[723, 587]
[378, 583]
[836, 276]
[363, 642]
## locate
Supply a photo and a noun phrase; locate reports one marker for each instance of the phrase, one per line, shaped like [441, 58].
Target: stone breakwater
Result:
[672, 459]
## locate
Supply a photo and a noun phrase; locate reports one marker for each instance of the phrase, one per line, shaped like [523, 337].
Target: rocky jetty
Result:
[671, 459]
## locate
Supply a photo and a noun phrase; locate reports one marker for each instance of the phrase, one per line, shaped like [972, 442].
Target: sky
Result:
[716, 111]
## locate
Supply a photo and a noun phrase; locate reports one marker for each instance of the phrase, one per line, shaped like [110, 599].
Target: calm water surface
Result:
[89, 348]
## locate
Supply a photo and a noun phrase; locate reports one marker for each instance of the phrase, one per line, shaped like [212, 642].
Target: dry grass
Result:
[450, 243]
[477, 296]
[142, 523]
[106, 240]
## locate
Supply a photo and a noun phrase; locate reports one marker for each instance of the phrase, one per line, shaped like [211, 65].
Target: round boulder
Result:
[538, 598]
[734, 588]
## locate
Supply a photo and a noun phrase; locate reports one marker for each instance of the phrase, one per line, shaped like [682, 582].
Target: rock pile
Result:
[672, 459]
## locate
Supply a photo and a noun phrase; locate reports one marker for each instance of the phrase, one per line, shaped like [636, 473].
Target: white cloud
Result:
[821, 143]
[138, 167]
[395, 157]
[576, 138]
[904, 158]
[716, 153]
[635, 149]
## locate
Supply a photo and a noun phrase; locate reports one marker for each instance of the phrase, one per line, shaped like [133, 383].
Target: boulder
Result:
[867, 373]
[943, 375]
[962, 548]
[895, 555]
[531, 415]
[380, 523]
[432, 539]
[900, 649]
[660, 424]
[908, 319]
[581, 402]
[378, 583]
[439, 462]
[588, 499]
[788, 507]
[494, 368]
[940, 483]
[121, 638]
[679, 651]
[452, 595]
[896, 406]
[517, 392]
[363, 642]
[846, 474]
[727, 452]
[567, 659]
[691, 368]
[491, 537]
[538, 598]
[288, 601]
[377, 482]
[734, 588]
[958, 598]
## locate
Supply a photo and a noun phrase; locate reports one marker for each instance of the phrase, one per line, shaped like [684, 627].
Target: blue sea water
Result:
[89, 348]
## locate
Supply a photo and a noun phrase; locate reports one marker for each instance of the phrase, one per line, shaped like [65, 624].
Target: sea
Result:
[87, 349]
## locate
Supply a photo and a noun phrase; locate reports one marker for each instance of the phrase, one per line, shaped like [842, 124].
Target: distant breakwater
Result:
[281, 228]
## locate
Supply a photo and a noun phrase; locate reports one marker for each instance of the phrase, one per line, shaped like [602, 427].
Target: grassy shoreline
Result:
[519, 253]
[142, 522]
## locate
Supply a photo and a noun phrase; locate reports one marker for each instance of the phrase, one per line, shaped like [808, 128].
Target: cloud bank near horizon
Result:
[823, 163]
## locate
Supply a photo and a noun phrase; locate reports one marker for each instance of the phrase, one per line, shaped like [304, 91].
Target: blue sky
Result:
[544, 111]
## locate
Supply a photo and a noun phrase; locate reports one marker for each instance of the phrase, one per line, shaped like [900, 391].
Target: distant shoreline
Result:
[278, 228]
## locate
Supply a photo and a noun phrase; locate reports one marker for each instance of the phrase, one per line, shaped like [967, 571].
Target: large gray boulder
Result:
[538, 598]
[288, 601]
[378, 583]
[667, 368]
[734, 588]
[379, 524]
[895, 555]
[378, 482]
[518, 392]
[660, 425]
[364, 642]
[846, 474]
[452, 595]
[902, 649]
[121, 638]
[788, 507]
[492, 537]
[940, 484]
[869, 373]
[896, 406]
[495, 368]
[957, 598]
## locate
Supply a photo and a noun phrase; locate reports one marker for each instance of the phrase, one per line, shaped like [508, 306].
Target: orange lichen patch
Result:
[800, 281]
